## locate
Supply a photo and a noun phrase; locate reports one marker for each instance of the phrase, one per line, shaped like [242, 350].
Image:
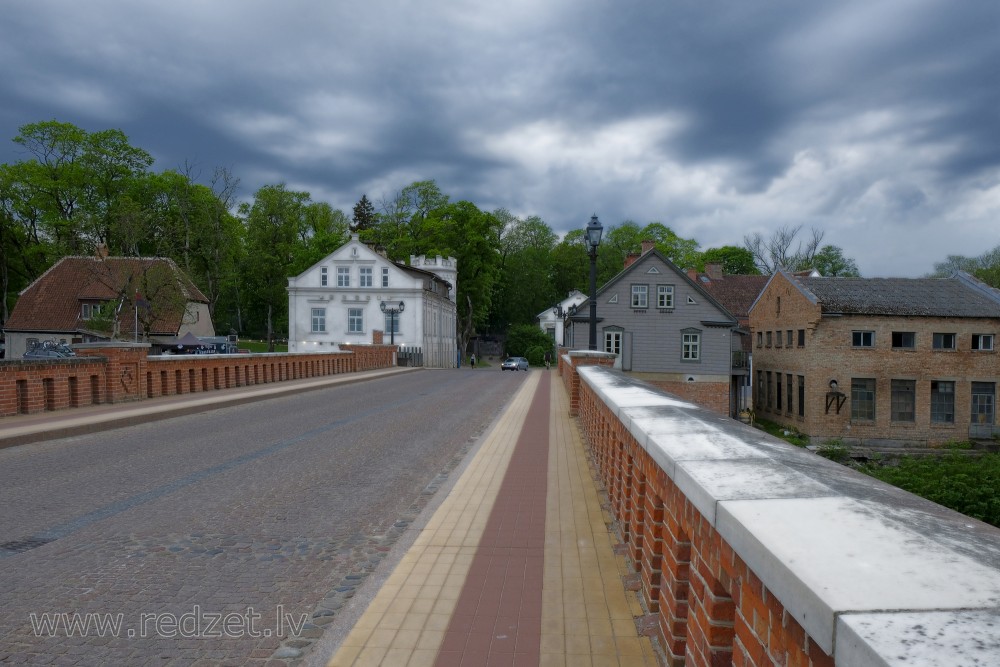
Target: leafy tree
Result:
[364, 215]
[682, 252]
[986, 267]
[522, 338]
[735, 261]
[570, 264]
[525, 284]
[830, 261]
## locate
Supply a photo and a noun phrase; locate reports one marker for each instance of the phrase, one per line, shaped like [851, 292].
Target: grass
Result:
[257, 346]
[786, 433]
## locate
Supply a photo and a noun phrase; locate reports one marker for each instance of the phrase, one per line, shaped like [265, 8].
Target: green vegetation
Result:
[526, 340]
[258, 346]
[784, 432]
[966, 484]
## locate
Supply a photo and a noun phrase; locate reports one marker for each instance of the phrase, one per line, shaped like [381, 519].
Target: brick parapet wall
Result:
[116, 373]
[569, 361]
[744, 544]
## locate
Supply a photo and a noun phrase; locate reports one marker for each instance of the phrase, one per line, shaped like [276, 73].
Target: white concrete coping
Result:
[875, 575]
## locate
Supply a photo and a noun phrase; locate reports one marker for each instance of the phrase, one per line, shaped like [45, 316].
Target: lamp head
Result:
[594, 231]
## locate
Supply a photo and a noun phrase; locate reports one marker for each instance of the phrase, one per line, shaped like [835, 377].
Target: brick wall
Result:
[730, 532]
[711, 395]
[121, 372]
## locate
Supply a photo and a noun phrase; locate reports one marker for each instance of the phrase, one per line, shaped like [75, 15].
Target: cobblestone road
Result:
[228, 537]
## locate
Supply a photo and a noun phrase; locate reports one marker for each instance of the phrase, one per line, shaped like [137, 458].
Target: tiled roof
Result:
[957, 296]
[737, 293]
[52, 303]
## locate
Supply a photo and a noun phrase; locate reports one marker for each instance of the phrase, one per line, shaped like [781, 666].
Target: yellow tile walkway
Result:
[587, 615]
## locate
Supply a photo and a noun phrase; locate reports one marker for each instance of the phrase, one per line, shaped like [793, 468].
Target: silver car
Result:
[514, 364]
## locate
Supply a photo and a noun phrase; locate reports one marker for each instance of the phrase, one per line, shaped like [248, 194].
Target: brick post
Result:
[125, 371]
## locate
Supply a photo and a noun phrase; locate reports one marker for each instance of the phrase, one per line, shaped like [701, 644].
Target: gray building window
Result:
[942, 402]
[863, 399]
[904, 404]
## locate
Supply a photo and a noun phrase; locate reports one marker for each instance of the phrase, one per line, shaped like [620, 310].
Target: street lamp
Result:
[392, 311]
[593, 238]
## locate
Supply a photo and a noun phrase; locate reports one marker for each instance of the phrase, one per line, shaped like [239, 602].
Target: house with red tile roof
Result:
[92, 299]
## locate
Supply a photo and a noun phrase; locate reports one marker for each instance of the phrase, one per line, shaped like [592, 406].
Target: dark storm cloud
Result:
[862, 118]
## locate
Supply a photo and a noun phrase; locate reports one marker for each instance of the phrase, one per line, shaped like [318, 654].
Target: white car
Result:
[514, 364]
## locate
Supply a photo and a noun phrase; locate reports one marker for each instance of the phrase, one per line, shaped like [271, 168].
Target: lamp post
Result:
[593, 238]
[392, 311]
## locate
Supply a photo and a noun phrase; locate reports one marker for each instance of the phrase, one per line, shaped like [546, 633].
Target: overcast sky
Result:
[875, 121]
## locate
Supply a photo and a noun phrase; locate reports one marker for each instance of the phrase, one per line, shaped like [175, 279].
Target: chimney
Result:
[692, 273]
[714, 270]
[648, 245]
[630, 259]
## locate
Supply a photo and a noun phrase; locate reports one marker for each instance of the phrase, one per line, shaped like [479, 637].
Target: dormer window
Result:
[90, 310]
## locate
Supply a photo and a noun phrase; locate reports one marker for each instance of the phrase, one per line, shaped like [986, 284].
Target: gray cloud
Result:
[874, 120]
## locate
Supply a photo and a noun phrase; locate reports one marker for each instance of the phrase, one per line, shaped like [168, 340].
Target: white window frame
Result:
[862, 338]
[613, 341]
[355, 320]
[640, 296]
[982, 342]
[343, 276]
[392, 322]
[318, 320]
[365, 276]
[665, 297]
[324, 277]
[385, 276]
[691, 346]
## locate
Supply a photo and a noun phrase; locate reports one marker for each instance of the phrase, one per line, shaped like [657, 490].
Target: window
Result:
[802, 396]
[788, 338]
[385, 276]
[863, 399]
[802, 337]
[318, 320]
[983, 402]
[903, 340]
[90, 310]
[777, 311]
[769, 392]
[760, 390]
[982, 342]
[788, 397]
[778, 338]
[366, 276]
[904, 402]
[768, 334]
[355, 320]
[613, 342]
[392, 323]
[942, 402]
[324, 276]
[863, 338]
[690, 345]
[944, 341]
[343, 276]
[640, 296]
[664, 296]
[760, 339]
[777, 392]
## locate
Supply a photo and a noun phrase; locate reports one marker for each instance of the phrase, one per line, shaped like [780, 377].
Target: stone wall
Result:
[751, 551]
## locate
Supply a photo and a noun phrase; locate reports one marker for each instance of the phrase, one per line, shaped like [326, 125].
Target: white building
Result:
[554, 325]
[339, 300]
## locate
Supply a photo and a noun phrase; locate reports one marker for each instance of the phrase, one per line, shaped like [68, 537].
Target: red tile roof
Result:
[53, 302]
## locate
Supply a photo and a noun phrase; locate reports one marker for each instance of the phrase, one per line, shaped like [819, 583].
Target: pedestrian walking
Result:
[472, 361]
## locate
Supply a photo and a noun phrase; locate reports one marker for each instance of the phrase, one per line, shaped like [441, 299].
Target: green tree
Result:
[735, 261]
[364, 215]
[525, 286]
[985, 267]
[682, 252]
[523, 339]
[570, 264]
[830, 262]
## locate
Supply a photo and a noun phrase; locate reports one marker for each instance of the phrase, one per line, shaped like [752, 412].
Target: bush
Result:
[835, 450]
[523, 337]
[536, 356]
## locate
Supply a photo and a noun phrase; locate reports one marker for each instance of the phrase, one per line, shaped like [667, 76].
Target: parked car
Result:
[49, 349]
[514, 364]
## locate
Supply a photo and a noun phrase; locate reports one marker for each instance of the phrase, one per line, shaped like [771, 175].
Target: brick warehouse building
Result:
[878, 361]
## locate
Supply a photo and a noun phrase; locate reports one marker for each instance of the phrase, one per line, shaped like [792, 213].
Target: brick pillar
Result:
[711, 613]
[674, 577]
[584, 358]
[125, 371]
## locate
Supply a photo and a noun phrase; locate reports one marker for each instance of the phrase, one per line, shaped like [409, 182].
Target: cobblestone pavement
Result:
[229, 537]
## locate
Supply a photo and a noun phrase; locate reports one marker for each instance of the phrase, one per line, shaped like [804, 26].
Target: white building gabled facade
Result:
[554, 325]
[338, 300]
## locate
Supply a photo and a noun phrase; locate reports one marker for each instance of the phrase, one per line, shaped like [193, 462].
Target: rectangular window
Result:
[904, 340]
[366, 276]
[355, 320]
[788, 386]
[802, 337]
[85, 311]
[613, 342]
[982, 342]
[904, 403]
[788, 338]
[318, 320]
[942, 402]
[863, 399]
[768, 338]
[777, 392]
[863, 338]
[802, 396]
[324, 276]
[392, 323]
[664, 296]
[343, 276]
[944, 341]
[760, 390]
[691, 346]
[770, 394]
[760, 339]
[385, 276]
[983, 402]
[778, 338]
[640, 296]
